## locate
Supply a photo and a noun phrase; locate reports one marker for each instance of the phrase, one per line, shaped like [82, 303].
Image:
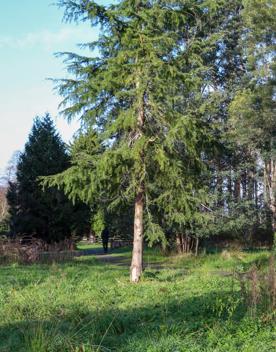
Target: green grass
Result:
[182, 304]
[85, 245]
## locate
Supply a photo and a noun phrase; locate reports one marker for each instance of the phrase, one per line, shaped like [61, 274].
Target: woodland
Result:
[176, 157]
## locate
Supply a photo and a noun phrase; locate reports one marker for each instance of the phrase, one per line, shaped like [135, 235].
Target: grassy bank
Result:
[182, 304]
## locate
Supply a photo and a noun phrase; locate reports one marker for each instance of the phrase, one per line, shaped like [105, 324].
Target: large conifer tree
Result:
[142, 96]
[47, 214]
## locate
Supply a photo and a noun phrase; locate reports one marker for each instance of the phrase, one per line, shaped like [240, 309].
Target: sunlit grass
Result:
[183, 303]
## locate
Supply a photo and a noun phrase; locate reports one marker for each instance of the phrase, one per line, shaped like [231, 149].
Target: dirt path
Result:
[114, 258]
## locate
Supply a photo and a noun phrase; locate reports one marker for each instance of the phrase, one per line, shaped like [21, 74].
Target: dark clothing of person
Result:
[105, 238]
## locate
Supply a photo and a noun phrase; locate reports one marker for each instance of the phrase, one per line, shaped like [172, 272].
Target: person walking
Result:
[105, 238]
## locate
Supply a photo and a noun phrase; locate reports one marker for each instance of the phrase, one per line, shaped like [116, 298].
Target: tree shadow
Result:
[120, 329]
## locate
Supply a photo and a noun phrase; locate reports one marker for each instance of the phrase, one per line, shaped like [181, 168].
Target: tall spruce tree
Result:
[46, 214]
[142, 96]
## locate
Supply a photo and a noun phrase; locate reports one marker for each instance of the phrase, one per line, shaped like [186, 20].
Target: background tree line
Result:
[177, 106]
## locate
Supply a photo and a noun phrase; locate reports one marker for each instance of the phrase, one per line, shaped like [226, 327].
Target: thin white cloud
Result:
[32, 95]
[47, 39]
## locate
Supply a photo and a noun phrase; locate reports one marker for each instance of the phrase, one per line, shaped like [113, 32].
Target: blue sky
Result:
[31, 31]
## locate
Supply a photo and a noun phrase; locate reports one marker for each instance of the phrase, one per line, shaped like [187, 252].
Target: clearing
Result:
[182, 304]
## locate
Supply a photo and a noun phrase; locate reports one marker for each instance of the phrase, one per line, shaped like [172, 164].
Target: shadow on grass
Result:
[123, 329]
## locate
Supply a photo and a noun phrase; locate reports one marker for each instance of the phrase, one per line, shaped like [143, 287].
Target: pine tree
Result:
[142, 96]
[48, 214]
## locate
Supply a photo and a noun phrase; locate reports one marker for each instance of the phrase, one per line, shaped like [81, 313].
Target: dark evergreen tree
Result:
[46, 214]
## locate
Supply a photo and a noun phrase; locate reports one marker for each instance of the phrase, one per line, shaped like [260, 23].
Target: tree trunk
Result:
[179, 243]
[251, 183]
[230, 188]
[273, 194]
[270, 190]
[237, 189]
[137, 253]
[244, 184]
[256, 190]
[273, 183]
[220, 184]
[196, 246]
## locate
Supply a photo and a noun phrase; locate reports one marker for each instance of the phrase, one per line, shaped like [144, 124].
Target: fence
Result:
[32, 250]
[115, 241]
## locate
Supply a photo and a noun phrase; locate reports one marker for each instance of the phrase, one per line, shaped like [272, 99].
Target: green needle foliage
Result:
[139, 98]
[46, 214]
[252, 111]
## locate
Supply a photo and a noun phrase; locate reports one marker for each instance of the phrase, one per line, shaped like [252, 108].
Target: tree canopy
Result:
[177, 107]
[46, 214]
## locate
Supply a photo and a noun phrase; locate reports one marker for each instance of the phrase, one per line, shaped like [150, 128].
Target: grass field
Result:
[182, 304]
